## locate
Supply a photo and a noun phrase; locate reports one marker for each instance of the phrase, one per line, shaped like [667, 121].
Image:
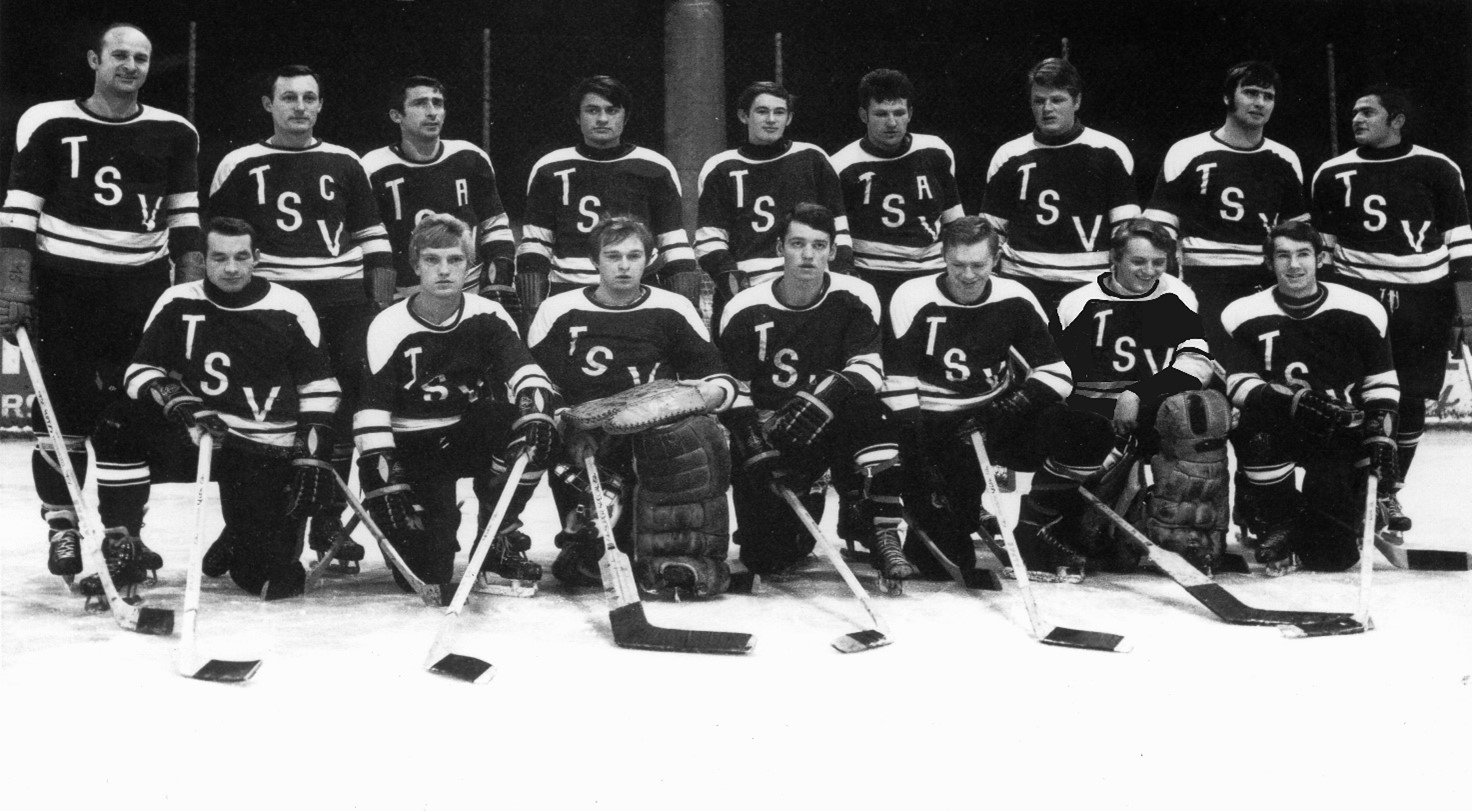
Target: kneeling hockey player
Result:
[239, 361]
[805, 352]
[428, 418]
[602, 340]
[1309, 364]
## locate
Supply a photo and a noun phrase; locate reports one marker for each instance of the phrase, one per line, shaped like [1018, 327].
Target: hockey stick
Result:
[1046, 634]
[440, 659]
[190, 663]
[974, 578]
[431, 594]
[158, 621]
[1361, 621]
[631, 629]
[854, 641]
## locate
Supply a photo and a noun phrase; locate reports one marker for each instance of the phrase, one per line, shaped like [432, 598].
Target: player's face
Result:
[294, 105]
[122, 67]
[424, 114]
[887, 122]
[621, 267]
[968, 268]
[806, 252]
[1372, 124]
[1054, 110]
[1252, 105]
[1139, 267]
[1296, 266]
[442, 271]
[767, 120]
[229, 261]
[602, 123]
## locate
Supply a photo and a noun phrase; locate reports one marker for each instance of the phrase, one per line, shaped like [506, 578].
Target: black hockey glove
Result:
[802, 419]
[386, 495]
[1314, 413]
[749, 447]
[1017, 404]
[1377, 447]
[16, 291]
[312, 486]
[686, 283]
[183, 407]
[531, 291]
[732, 282]
[534, 431]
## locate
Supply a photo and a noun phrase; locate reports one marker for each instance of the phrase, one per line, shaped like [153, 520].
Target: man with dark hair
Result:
[899, 188]
[102, 213]
[424, 174]
[1309, 365]
[805, 353]
[1221, 190]
[1395, 216]
[744, 190]
[571, 189]
[1058, 191]
[320, 235]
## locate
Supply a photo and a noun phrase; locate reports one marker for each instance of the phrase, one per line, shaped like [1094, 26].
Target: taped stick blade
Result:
[464, 668]
[221, 670]
[860, 641]
[1089, 640]
[631, 629]
[1338, 626]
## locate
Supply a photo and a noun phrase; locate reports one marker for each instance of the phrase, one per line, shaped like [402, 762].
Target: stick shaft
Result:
[1024, 584]
[831, 552]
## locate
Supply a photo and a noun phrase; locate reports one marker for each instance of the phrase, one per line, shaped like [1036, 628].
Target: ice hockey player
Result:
[972, 352]
[1057, 192]
[428, 417]
[805, 353]
[899, 188]
[1309, 365]
[236, 360]
[1139, 358]
[424, 174]
[744, 190]
[571, 189]
[103, 197]
[1395, 215]
[320, 235]
[598, 341]
[1221, 190]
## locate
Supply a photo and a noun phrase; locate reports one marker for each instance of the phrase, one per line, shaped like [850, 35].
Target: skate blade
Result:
[1061, 576]
[858, 641]
[891, 586]
[503, 587]
[1338, 626]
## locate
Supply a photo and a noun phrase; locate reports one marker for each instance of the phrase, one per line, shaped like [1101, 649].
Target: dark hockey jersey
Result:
[423, 376]
[86, 190]
[896, 204]
[1057, 200]
[591, 350]
[775, 351]
[1222, 200]
[949, 357]
[1395, 215]
[745, 192]
[1338, 348]
[255, 357]
[571, 189]
[315, 217]
[1111, 341]
[458, 181]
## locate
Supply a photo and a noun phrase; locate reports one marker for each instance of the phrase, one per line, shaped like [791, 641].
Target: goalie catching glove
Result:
[801, 420]
[534, 430]
[386, 495]
[658, 402]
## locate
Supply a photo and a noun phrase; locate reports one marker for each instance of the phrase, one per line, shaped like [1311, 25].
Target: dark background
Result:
[1152, 68]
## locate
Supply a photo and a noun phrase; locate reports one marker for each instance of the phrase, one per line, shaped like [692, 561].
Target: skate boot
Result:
[65, 556]
[217, 558]
[124, 566]
[1272, 545]
[507, 556]
[888, 557]
[579, 550]
[327, 534]
[1390, 514]
[1048, 557]
[287, 580]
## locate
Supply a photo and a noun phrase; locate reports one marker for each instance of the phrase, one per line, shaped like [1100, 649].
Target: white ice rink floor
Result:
[964, 710]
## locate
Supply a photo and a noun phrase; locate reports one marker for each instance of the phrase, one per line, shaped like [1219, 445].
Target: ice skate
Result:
[64, 558]
[125, 565]
[577, 558]
[216, 561]
[506, 570]
[1048, 559]
[327, 534]
[889, 559]
[1391, 516]
[1272, 546]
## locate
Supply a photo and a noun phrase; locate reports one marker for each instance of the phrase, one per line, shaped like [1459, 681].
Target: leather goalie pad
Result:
[682, 523]
[1187, 510]
[1101, 541]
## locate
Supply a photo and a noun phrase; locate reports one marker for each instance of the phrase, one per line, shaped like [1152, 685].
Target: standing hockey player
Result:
[602, 340]
[1395, 215]
[899, 188]
[428, 419]
[1309, 364]
[425, 174]
[1221, 191]
[236, 360]
[1057, 192]
[319, 234]
[805, 353]
[744, 190]
[571, 189]
[103, 196]
[970, 352]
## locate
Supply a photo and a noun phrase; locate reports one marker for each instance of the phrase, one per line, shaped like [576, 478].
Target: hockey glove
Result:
[686, 283]
[1464, 309]
[733, 282]
[1018, 403]
[531, 291]
[759, 461]
[183, 407]
[189, 267]
[1377, 447]
[386, 495]
[1316, 414]
[802, 419]
[16, 296]
[382, 286]
[534, 431]
[312, 487]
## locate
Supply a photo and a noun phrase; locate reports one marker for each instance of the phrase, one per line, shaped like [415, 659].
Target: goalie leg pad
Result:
[1187, 511]
[681, 519]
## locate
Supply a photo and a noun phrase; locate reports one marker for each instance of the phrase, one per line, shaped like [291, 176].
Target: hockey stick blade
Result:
[220, 670]
[1361, 621]
[1090, 640]
[860, 641]
[1423, 560]
[1340, 626]
[464, 668]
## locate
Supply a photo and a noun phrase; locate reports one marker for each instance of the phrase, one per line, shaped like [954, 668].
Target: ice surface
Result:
[964, 710]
